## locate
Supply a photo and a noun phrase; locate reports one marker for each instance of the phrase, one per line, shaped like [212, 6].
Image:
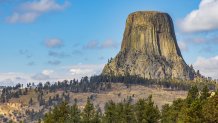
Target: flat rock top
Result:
[148, 12]
[148, 17]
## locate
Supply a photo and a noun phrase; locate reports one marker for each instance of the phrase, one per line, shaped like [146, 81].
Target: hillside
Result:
[17, 108]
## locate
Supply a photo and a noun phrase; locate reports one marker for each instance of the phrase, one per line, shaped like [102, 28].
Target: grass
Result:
[118, 93]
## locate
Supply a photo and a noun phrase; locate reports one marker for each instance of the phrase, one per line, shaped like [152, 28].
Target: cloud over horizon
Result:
[76, 71]
[12, 78]
[82, 70]
[207, 66]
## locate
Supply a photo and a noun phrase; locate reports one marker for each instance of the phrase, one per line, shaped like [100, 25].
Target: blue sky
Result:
[63, 39]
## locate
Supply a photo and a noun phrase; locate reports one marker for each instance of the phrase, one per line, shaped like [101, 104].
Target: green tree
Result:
[49, 118]
[140, 110]
[193, 94]
[146, 111]
[110, 112]
[88, 113]
[153, 114]
[98, 116]
[166, 114]
[119, 111]
[74, 114]
[210, 110]
[128, 113]
[204, 93]
[192, 113]
[170, 114]
[58, 115]
[193, 109]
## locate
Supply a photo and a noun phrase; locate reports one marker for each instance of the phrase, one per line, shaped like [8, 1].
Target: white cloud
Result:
[54, 43]
[44, 5]
[41, 77]
[12, 78]
[207, 66]
[69, 72]
[79, 71]
[45, 75]
[183, 46]
[58, 74]
[205, 18]
[30, 11]
[25, 17]
[82, 70]
[47, 72]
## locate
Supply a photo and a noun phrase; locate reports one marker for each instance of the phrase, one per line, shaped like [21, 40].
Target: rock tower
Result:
[149, 49]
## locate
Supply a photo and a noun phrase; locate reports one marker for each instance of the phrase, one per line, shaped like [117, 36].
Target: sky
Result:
[51, 40]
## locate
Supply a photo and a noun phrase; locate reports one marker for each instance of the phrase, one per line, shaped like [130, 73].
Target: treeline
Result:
[162, 83]
[100, 83]
[12, 92]
[198, 107]
[66, 87]
[84, 85]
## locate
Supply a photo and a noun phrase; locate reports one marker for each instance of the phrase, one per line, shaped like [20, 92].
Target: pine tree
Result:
[193, 94]
[146, 111]
[192, 113]
[74, 114]
[128, 113]
[119, 112]
[153, 114]
[166, 116]
[171, 114]
[210, 110]
[49, 118]
[204, 93]
[193, 109]
[88, 113]
[58, 115]
[110, 115]
[140, 110]
[98, 116]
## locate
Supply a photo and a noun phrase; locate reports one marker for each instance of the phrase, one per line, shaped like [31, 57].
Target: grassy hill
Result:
[18, 108]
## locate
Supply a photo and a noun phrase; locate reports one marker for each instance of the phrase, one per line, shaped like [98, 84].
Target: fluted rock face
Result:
[149, 49]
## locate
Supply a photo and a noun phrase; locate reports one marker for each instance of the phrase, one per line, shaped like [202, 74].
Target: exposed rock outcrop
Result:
[149, 49]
